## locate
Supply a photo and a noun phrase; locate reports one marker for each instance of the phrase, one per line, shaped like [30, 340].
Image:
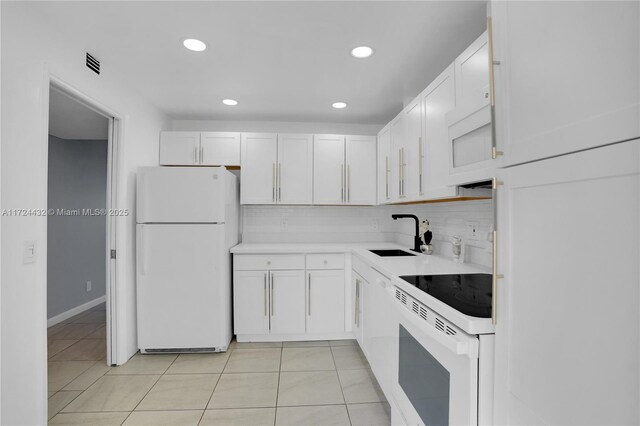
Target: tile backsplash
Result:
[326, 224]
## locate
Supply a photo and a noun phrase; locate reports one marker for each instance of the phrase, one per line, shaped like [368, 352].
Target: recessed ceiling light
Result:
[339, 105]
[361, 52]
[194, 44]
[230, 102]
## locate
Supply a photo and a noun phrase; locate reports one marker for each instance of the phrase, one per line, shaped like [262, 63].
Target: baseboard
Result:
[75, 311]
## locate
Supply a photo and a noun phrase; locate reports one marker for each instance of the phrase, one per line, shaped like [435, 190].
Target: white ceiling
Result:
[69, 119]
[283, 61]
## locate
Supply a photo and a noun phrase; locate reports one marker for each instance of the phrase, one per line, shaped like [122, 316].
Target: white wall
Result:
[31, 49]
[323, 224]
[76, 244]
[277, 127]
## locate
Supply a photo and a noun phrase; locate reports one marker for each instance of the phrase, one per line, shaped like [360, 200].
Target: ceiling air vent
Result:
[93, 64]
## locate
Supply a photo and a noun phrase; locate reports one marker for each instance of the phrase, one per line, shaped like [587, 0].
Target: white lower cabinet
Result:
[325, 301]
[287, 302]
[251, 302]
[269, 302]
[274, 295]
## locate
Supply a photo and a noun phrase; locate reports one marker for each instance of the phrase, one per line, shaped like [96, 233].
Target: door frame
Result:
[115, 132]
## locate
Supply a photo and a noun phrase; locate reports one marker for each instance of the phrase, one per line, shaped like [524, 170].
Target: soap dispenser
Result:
[457, 247]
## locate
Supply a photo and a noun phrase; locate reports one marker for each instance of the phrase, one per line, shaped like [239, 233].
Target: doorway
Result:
[80, 235]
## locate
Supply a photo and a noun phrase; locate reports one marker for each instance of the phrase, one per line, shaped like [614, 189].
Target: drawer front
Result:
[325, 261]
[257, 262]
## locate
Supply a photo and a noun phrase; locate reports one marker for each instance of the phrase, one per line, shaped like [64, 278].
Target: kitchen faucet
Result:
[417, 241]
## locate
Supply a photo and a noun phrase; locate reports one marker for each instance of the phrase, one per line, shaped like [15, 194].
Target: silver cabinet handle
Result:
[309, 297]
[348, 183]
[420, 164]
[265, 294]
[400, 172]
[492, 89]
[273, 184]
[201, 154]
[279, 182]
[342, 181]
[195, 155]
[386, 176]
[357, 305]
[273, 295]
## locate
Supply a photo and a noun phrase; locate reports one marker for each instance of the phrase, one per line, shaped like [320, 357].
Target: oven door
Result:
[437, 375]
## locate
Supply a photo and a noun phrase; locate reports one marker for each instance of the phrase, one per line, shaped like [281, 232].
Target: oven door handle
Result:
[454, 344]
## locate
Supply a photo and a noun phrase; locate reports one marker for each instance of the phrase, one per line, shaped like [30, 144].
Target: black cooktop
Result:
[467, 293]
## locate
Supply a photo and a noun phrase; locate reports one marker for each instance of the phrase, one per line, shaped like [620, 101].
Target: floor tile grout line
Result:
[63, 407]
[275, 414]
[230, 350]
[341, 389]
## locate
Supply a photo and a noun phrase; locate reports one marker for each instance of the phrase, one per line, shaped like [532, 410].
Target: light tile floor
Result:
[290, 383]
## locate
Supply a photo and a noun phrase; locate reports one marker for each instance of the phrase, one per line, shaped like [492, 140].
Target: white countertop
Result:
[392, 268]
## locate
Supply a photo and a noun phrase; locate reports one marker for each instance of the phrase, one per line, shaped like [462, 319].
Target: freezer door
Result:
[180, 195]
[183, 287]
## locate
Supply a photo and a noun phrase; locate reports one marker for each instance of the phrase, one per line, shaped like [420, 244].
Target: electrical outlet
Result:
[375, 227]
[284, 225]
[472, 230]
[88, 286]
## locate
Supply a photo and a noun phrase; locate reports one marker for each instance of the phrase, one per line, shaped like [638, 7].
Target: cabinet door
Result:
[568, 314]
[397, 129]
[325, 301]
[295, 169]
[251, 302]
[361, 170]
[357, 287]
[569, 82]
[438, 100]
[258, 168]
[328, 169]
[287, 303]
[219, 149]
[413, 151]
[384, 165]
[179, 148]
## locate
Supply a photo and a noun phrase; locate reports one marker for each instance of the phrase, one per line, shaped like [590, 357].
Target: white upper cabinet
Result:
[471, 137]
[437, 100]
[276, 169]
[384, 165]
[220, 149]
[360, 170]
[568, 76]
[179, 148]
[328, 169]
[199, 149]
[295, 169]
[258, 175]
[344, 170]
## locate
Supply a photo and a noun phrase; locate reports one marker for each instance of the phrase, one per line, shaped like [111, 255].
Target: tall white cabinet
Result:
[568, 314]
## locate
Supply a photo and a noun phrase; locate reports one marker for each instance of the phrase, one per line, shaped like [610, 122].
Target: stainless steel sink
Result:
[391, 253]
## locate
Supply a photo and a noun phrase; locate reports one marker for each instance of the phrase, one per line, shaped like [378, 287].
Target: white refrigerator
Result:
[186, 222]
